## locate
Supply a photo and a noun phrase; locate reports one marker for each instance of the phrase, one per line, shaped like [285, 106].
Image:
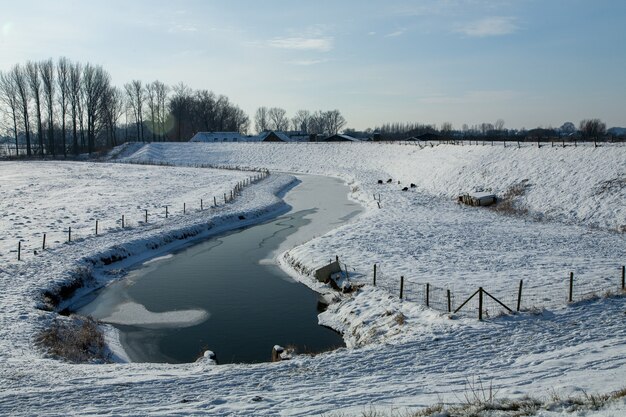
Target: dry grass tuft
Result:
[75, 339]
[507, 204]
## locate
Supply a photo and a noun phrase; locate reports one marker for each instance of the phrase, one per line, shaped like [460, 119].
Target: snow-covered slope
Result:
[401, 355]
[580, 184]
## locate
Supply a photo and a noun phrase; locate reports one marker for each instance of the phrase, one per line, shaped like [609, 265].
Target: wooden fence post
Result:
[401, 286]
[201, 205]
[225, 200]
[96, 227]
[623, 277]
[146, 215]
[449, 298]
[427, 295]
[519, 294]
[480, 303]
[214, 201]
[184, 208]
[570, 298]
[43, 247]
[166, 213]
[375, 276]
[19, 250]
[122, 221]
[69, 234]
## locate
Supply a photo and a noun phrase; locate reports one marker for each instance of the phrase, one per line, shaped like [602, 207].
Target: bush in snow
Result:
[75, 339]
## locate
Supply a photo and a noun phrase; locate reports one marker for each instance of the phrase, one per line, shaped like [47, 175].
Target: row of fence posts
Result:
[481, 292]
[233, 193]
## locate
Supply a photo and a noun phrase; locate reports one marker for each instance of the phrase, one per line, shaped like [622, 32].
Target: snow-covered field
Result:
[400, 354]
[49, 197]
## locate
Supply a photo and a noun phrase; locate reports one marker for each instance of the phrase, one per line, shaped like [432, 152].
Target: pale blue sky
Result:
[529, 62]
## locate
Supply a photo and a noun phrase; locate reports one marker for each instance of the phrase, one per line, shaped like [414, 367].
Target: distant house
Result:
[220, 137]
[272, 136]
[341, 138]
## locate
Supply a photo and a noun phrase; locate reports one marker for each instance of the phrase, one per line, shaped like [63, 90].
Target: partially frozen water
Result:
[227, 294]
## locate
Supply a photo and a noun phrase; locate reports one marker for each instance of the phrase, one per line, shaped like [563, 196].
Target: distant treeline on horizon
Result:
[64, 107]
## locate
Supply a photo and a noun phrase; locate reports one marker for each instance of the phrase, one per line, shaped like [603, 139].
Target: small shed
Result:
[478, 199]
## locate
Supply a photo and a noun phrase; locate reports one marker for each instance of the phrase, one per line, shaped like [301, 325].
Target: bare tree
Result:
[446, 130]
[334, 121]
[114, 107]
[9, 96]
[180, 106]
[592, 128]
[261, 119]
[151, 96]
[34, 82]
[75, 81]
[277, 119]
[63, 82]
[46, 70]
[301, 121]
[240, 120]
[205, 111]
[161, 91]
[20, 80]
[499, 125]
[485, 128]
[317, 123]
[95, 86]
[136, 97]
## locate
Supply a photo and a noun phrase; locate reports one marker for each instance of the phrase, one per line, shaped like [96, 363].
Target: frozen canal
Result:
[227, 294]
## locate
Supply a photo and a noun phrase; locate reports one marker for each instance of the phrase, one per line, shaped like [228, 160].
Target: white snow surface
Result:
[401, 355]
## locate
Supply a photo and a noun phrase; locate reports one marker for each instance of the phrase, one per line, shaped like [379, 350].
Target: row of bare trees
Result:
[42, 99]
[64, 107]
[319, 122]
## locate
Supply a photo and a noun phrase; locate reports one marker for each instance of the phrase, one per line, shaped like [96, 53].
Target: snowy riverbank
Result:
[401, 355]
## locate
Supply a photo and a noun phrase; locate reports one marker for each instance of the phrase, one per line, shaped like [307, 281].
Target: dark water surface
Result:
[226, 294]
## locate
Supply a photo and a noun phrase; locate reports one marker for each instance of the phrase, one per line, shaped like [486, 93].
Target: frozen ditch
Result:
[227, 294]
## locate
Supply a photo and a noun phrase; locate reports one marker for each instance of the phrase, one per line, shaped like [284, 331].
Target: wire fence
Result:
[42, 241]
[486, 302]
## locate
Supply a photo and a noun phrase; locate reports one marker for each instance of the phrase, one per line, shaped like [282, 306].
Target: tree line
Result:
[64, 107]
[587, 129]
[304, 121]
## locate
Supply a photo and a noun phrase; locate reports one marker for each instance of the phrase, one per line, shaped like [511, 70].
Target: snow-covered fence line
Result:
[484, 302]
[69, 235]
[509, 143]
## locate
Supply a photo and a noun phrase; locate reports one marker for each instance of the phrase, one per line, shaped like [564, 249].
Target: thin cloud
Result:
[396, 33]
[490, 26]
[302, 44]
[307, 62]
